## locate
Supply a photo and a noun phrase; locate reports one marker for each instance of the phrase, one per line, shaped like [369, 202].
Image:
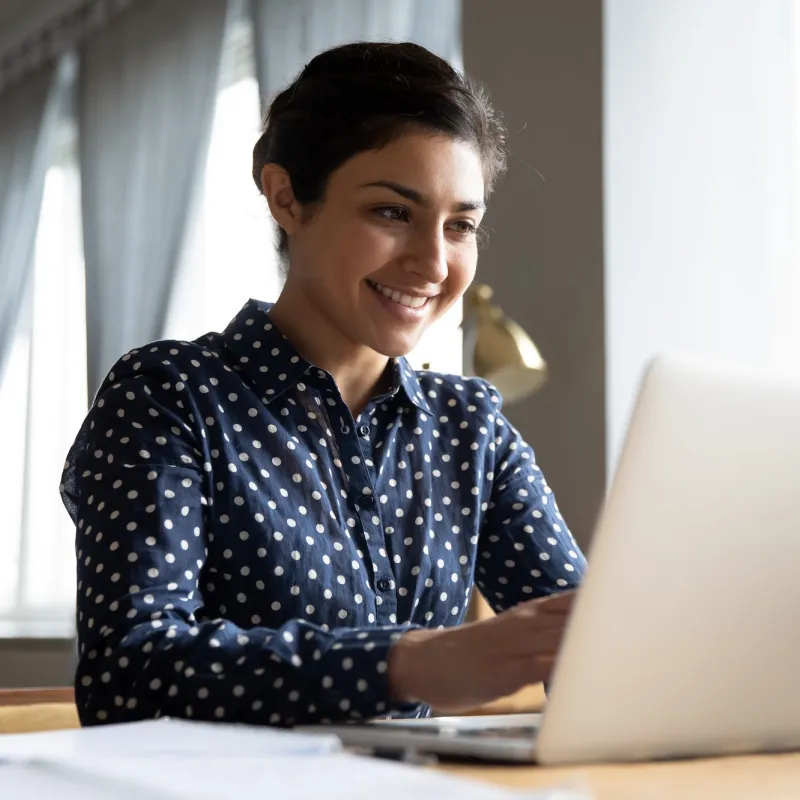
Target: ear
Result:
[277, 188]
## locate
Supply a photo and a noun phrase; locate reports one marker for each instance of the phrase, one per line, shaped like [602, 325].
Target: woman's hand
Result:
[456, 669]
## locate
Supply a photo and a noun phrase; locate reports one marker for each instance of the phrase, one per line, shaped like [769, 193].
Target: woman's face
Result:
[392, 245]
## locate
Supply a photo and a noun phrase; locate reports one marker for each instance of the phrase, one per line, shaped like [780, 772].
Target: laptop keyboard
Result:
[524, 732]
[484, 732]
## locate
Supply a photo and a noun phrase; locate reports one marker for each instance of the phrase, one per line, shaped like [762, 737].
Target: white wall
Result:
[699, 141]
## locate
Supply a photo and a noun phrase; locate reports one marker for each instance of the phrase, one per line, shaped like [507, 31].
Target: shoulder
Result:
[459, 395]
[186, 364]
[473, 407]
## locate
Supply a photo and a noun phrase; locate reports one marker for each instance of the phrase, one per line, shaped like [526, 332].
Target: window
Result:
[228, 256]
[43, 401]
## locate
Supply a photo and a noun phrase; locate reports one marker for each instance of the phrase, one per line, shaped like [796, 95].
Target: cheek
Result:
[375, 243]
[461, 271]
[354, 249]
[460, 274]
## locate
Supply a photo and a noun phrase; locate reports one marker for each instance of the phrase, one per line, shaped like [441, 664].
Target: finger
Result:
[523, 635]
[553, 605]
[546, 643]
[538, 643]
[526, 671]
[544, 668]
[530, 619]
[559, 603]
[538, 617]
[519, 633]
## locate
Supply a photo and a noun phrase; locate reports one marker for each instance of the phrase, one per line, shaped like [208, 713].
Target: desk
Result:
[775, 777]
[737, 778]
[769, 777]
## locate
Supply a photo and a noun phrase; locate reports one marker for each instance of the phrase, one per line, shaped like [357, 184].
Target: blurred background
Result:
[650, 206]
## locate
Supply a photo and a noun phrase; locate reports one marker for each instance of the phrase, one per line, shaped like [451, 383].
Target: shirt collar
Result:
[273, 364]
[410, 384]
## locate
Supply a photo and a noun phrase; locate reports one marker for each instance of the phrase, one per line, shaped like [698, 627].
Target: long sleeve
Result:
[525, 549]
[139, 487]
[247, 551]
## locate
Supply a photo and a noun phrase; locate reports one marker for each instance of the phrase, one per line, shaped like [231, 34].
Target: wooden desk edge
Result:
[752, 777]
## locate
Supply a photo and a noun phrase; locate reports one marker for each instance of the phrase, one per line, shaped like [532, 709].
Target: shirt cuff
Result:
[355, 675]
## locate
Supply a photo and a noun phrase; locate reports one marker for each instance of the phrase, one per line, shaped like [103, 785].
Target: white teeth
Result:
[402, 299]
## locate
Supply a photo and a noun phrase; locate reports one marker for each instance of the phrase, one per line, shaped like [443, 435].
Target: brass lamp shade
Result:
[499, 350]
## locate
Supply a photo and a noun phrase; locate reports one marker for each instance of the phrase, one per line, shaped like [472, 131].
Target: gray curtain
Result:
[29, 118]
[289, 34]
[147, 88]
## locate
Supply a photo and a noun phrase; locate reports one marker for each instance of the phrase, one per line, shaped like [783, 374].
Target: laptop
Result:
[684, 640]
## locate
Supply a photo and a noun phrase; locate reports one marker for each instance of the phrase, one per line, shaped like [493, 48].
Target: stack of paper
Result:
[178, 760]
[166, 737]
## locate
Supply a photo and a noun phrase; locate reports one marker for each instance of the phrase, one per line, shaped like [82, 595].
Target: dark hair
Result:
[362, 96]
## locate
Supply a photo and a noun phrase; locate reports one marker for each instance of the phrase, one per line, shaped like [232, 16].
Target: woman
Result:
[282, 523]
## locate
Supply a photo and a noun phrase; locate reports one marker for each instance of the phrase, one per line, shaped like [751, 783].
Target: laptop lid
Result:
[684, 638]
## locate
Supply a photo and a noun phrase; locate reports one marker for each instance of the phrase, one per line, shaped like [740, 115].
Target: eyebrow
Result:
[419, 199]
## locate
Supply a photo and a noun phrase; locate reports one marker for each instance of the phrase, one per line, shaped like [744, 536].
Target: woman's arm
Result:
[527, 563]
[525, 549]
[138, 485]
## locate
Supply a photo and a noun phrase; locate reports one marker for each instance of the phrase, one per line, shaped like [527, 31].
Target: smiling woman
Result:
[376, 166]
[378, 261]
[282, 523]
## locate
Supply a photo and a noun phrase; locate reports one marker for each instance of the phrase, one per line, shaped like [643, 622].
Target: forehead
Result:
[432, 164]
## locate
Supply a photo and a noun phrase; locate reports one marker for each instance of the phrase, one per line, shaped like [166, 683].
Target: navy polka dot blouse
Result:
[248, 551]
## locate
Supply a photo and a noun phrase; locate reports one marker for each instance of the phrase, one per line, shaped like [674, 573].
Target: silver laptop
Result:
[685, 637]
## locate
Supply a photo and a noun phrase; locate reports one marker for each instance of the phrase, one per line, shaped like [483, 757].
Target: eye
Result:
[464, 227]
[393, 213]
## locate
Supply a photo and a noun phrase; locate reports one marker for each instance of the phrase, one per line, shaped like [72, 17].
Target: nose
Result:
[429, 260]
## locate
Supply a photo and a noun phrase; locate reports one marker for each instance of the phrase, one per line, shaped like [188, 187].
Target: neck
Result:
[358, 370]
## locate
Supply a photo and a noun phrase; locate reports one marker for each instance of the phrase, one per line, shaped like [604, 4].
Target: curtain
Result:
[289, 34]
[147, 88]
[29, 115]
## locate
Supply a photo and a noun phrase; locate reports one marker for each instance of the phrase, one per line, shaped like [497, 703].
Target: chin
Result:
[393, 352]
[394, 347]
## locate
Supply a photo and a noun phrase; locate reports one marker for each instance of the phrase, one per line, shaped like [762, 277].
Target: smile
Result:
[410, 301]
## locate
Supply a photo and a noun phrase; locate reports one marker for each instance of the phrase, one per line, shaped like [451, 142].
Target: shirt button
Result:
[384, 584]
[364, 430]
[368, 500]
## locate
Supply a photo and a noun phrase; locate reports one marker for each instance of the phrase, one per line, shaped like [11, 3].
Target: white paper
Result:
[31, 780]
[182, 760]
[328, 777]
[165, 738]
